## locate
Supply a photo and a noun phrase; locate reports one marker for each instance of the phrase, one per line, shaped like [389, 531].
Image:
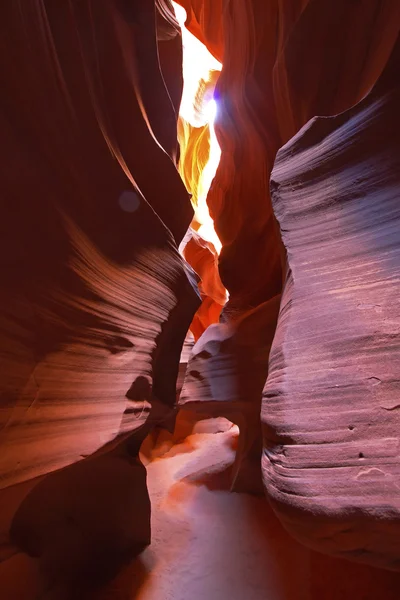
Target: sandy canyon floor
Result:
[210, 544]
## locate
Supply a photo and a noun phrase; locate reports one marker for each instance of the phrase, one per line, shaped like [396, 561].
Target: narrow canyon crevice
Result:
[199, 301]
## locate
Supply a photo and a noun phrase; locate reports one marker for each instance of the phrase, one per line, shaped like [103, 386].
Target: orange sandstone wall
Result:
[285, 62]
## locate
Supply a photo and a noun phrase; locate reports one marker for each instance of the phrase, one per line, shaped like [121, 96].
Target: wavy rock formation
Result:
[205, 21]
[78, 522]
[202, 256]
[225, 376]
[284, 63]
[91, 328]
[96, 301]
[331, 461]
[198, 160]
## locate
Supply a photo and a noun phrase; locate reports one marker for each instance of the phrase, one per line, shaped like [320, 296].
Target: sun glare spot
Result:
[210, 111]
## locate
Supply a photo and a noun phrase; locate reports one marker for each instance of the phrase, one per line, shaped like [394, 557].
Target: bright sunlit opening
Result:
[199, 74]
[210, 111]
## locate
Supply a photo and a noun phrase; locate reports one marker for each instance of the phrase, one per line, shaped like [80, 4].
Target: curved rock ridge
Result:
[225, 376]
[202, 256]
[169, 46]
[278, 72]
[198, 161]
[205, 20]
[284, 63]
[95, 300]
[331, 461]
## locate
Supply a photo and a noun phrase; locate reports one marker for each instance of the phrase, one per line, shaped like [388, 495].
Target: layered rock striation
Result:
[95, 300]
[331, 403]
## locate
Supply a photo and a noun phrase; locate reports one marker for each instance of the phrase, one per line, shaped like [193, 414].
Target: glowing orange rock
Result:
[204, 20]
[198, 161]
[202, 256]
[284, 63]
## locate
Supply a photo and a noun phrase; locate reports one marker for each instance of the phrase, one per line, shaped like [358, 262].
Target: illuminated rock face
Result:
[284, 63]
[198, 160]
[296, 60]
[331, 461]
[225, 376]
[202, 256]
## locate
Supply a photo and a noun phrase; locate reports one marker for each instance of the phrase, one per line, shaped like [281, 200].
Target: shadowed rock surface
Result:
[95, 300]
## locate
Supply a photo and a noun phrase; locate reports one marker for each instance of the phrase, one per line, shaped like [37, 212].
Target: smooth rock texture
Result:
[91, 328]
[210, 544]
[169, 46]
[331, 461]
[249, 557]
[225, 376]
[205, 21]
[283, 63]
[95, 300]
[75, 539]
[203, 258]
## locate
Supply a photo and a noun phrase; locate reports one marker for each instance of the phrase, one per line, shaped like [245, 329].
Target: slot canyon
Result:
[200, 300]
